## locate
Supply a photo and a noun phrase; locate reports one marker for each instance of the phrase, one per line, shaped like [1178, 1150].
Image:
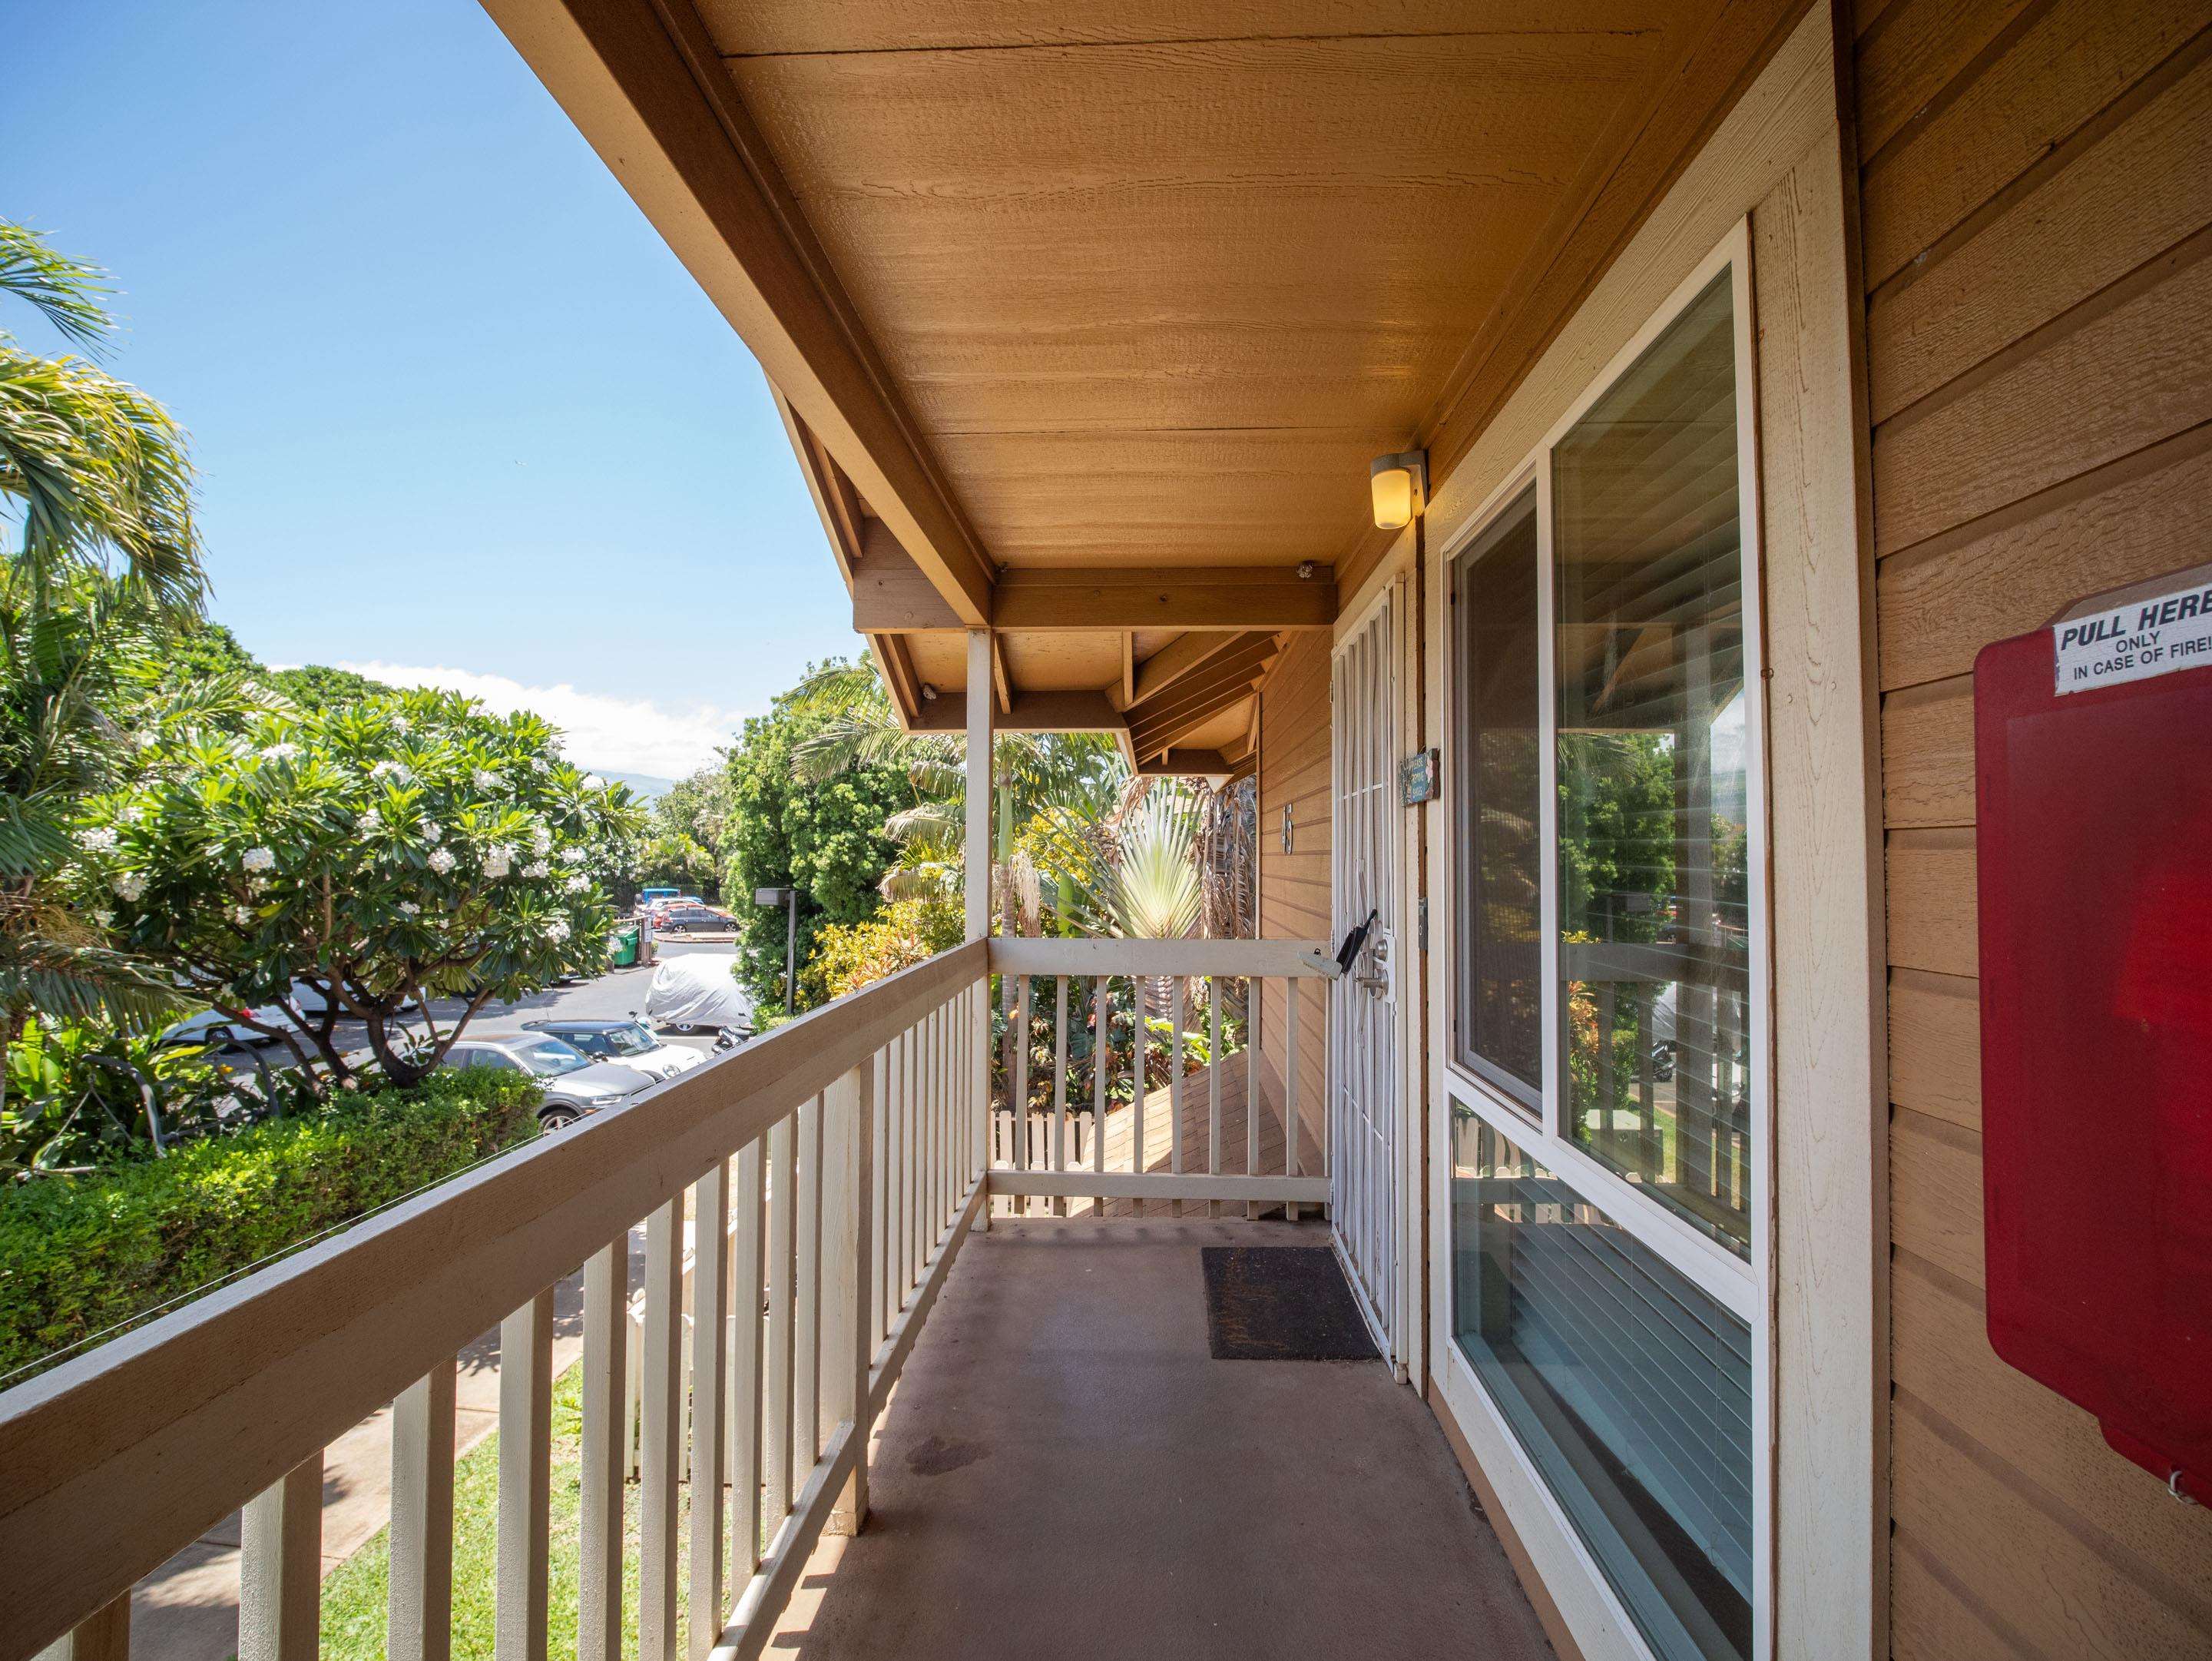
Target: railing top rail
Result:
[114, 1459]
[1267, 958]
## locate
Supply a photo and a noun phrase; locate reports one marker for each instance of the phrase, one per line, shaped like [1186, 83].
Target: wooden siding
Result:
[2035, 180]
[1294, 772]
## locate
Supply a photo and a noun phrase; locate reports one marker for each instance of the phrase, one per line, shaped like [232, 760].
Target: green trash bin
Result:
[622, 948]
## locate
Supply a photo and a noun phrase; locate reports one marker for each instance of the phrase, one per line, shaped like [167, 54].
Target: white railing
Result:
[832, 1169]
[1033, 1153]
[829, 1173]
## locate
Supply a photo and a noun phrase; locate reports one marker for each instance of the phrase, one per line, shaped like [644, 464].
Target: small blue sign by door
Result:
[1417, 778]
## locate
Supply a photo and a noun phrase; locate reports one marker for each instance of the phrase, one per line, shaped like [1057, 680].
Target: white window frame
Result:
[1742, 1285]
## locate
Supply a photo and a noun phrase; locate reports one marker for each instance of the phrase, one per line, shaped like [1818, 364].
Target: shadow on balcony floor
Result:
[1064, 1471]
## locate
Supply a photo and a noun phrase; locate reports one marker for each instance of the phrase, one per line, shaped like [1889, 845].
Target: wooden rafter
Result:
[647, 87]
[1236, 668]
[1199, 649]
[1163, 732]
[998, 680]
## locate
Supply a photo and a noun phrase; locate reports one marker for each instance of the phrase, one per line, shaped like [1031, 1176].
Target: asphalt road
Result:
[617, 993]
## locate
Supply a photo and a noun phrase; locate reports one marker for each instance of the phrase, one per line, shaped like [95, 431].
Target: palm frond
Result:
[64, 291]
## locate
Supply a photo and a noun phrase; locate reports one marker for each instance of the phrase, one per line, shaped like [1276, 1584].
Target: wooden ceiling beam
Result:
[1031, 712]
[891, 592]
[647, 88]
[1235, 597]
[1187, 763]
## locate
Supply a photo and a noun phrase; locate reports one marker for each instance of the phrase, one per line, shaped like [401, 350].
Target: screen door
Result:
[1365, 1116]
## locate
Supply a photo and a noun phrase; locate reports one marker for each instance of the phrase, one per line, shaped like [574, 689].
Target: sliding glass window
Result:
[1498, 1023]
[1607, 1290]
[1654, 925]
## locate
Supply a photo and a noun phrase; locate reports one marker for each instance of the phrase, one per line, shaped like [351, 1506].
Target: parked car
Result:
[695, 919]
[630, 1042]
[574, 1084]
[694, 992]
[221, 1031]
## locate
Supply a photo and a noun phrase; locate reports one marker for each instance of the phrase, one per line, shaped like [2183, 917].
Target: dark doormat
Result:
[1281, 1304]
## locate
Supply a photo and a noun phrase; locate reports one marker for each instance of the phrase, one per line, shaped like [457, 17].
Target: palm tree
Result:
[99, 477]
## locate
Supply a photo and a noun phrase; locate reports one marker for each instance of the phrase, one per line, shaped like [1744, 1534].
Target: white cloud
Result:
[611, 734]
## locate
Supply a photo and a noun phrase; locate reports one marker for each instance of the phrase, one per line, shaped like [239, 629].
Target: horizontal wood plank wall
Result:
[1294, 772]
[2037, 209]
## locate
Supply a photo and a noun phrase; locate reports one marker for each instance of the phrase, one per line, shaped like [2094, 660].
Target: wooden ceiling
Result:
[1088, 318]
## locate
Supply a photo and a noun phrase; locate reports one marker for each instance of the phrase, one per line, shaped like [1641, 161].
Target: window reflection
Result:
[1628, 1387]
[1653, 782]
[1498, 1028]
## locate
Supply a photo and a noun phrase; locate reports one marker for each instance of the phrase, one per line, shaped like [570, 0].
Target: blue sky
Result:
[456, 406]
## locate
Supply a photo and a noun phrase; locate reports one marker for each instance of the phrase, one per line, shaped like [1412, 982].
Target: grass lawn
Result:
[355, 1595]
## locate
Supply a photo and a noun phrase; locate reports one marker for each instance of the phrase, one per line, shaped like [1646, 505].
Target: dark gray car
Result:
[573, 1083]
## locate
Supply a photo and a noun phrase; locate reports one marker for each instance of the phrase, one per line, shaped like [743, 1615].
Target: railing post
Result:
[421, 1593]
[609, 1388]
[662, 1452]
[710, 1288]
[526, 1481]
[280, 1570]
[848, 1122]
[102, 1637]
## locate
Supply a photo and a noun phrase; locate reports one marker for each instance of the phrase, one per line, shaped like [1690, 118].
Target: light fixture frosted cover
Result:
[1395, 482]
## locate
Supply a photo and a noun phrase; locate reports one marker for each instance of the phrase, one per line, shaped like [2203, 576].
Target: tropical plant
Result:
[97, 470]
[849, 956]
[407, 846]
[822, 833]
[108, 570]
[79, 1097]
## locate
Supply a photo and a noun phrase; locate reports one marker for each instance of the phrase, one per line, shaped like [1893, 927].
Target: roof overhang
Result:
[1085, 321]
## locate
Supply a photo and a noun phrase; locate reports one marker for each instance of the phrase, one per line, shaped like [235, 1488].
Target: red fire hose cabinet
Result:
[2092, 764]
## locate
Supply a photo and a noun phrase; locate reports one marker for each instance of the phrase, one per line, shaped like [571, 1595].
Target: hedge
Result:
[80, 1254]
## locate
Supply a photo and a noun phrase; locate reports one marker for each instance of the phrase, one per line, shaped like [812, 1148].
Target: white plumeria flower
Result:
[498, 858]
[488, 780]
[260, 859]
[279, 752]
[593, 781]
[537, 868]
[433, 831]
[130, 885]
[387, 770]
[577, 884]
[401, 724]
[99, 839]
[104, 917]
[537, 765]
[410, 908]
[557, 929]
[572, 856]
[441, 861]
[243, 916]
[372, 820]
[541, 840]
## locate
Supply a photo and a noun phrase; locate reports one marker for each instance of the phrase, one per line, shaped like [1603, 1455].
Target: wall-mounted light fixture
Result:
[1399, 485]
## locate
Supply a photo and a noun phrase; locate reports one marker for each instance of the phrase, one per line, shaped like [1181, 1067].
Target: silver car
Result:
[574, 1084]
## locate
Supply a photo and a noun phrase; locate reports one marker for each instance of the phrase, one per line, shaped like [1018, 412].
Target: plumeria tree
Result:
[406, 846]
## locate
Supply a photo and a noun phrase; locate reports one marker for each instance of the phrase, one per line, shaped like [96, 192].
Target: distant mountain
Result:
[645, 785]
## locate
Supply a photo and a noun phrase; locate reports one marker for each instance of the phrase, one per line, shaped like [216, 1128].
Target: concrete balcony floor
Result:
[1064, 1471]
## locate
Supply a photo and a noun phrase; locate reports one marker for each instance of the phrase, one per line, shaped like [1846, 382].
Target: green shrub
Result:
[80, 1254]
